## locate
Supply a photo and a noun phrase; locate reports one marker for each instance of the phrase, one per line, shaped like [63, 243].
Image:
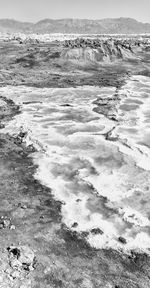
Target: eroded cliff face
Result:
[97, 50]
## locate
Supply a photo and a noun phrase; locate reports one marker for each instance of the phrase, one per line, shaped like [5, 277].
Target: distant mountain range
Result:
[79, 26]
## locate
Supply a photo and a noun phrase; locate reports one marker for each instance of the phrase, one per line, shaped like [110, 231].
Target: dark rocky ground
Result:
[55, 65]
[36, 249]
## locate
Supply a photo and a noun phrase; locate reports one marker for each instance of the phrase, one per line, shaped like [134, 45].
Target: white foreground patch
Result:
[102, 184]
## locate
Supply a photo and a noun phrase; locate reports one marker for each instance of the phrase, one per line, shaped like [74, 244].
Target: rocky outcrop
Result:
[21, 258]
[99, 50]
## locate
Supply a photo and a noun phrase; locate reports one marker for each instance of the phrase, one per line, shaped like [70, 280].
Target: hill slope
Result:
[10, 25]
[80, 26]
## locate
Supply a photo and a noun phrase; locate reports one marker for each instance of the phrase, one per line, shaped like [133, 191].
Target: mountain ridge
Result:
[120, 25]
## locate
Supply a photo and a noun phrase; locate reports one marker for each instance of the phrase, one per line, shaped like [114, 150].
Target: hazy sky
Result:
[35, 10]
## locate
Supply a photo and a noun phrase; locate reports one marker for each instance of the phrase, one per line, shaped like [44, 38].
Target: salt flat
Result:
[74, 162]
[102, 183]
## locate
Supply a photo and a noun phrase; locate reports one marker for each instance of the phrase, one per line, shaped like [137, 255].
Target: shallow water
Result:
[102, 184]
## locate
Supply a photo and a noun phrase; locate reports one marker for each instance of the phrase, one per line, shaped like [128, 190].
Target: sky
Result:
[36, 10]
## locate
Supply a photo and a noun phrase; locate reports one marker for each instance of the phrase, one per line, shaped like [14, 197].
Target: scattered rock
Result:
[21, 258]
[84, 233]
[15, 274]
[5, 222]
[78, 200]
[18, 141]
[74, 225]
[22, 206]
[97, 231]
[66, 105]
[12, 227]
[22, 134]
[31, 149]
[2, 126]
[122, 240]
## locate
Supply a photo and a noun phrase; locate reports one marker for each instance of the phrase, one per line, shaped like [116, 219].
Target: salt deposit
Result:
[102, 184]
